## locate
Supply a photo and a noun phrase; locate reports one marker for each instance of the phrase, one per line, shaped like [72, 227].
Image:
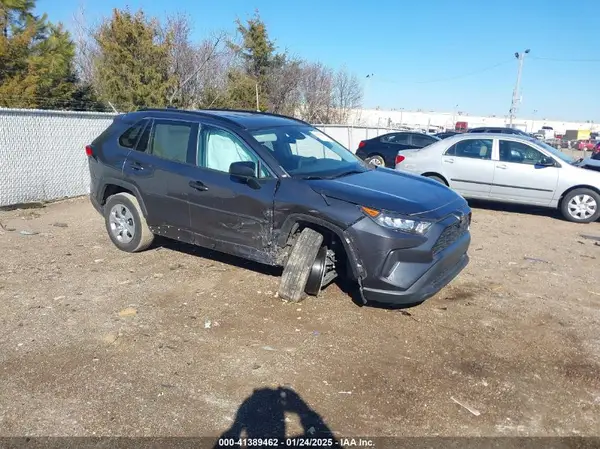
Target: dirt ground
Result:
[174, 340]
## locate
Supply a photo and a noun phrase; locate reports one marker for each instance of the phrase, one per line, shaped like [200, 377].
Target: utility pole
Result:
[516, 95]
[257, 103]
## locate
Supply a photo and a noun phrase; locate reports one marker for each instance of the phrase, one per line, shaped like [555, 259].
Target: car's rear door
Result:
[226, 213]
[161, 167]
[520, 176]
[469, 168]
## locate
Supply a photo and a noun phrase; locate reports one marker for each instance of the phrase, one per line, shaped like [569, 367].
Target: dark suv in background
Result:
[277, 191]
[382, 150]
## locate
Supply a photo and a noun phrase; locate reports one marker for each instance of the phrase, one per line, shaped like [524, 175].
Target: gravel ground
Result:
[180, 341]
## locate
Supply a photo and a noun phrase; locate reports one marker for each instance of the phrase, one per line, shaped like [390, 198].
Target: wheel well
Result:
[375, 153]
[330, 239]
[570, 189]
[438, 175]
[112, 189]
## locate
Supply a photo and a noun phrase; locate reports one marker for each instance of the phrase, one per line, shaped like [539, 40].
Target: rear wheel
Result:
[299, 266]
[376, 160]
[581, 206]
[125, 223]
[436, 178]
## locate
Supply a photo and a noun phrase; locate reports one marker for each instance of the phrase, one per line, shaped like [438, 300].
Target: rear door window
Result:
[422, 141]
[398, 139]
[173, 140]
[472, 148]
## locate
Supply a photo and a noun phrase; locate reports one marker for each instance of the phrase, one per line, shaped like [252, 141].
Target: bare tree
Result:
[347, 95]
[283, 85]
[316, 93]
[195, 65]
[85, 47]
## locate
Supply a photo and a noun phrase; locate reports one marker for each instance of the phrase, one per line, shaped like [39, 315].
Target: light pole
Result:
[533, 121]
[515, 98]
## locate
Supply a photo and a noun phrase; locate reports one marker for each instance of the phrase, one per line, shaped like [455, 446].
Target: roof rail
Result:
[206, 113]
[251, 111]
[200, 113]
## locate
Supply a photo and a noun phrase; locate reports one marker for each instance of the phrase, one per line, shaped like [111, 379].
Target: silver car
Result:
[509, 168]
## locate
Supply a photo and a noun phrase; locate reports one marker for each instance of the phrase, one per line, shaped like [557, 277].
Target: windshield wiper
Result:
[309, 177]
[336, 175]
[345, 173]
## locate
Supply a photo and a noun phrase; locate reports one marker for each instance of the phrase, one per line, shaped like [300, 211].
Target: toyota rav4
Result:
[278, 191]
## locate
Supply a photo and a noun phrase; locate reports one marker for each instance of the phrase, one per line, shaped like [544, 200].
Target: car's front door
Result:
[469, 168]
[227, 213]
[521, 176]
[160, 167]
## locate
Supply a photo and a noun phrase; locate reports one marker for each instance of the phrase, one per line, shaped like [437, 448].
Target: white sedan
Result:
[509, 168]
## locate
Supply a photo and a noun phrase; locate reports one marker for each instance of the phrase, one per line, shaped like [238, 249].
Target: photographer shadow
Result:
[263, 416]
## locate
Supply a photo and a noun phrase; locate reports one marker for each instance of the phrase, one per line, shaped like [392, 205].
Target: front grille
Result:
[452, 233]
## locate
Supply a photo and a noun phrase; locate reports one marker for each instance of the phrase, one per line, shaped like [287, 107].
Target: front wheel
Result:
[581, 206]
[299, 265]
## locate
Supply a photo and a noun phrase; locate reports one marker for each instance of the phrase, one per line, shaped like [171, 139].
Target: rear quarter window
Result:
[130, 137]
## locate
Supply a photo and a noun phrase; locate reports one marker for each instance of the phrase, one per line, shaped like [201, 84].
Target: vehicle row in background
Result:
[509, 168]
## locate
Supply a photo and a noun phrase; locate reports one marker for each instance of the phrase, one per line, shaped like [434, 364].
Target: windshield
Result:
[565, 157]
[304, 151]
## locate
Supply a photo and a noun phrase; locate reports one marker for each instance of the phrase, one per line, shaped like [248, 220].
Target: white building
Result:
[447, 120]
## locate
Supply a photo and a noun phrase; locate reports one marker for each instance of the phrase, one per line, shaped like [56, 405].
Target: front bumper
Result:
[402, 269]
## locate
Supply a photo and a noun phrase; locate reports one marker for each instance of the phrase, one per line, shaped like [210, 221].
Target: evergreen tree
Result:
[133, 67]
[36, 59]
[258, 56]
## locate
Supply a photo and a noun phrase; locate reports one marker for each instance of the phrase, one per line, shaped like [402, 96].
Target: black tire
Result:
[142, 236]
[436, 178]
[565, 205]
[298, 266]
[376, 160]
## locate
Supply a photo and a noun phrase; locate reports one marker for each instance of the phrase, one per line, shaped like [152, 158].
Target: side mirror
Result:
[243, 169]
[547, 162]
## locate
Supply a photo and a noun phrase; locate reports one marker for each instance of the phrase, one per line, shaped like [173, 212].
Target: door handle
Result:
[449, 161]
[137, 166]
[198, 185]
[502, 166]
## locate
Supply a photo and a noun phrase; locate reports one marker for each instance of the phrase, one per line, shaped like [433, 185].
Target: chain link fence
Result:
[42, 153]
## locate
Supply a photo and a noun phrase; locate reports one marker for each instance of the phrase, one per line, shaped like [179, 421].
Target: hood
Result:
[587, 163]
[591, 168]
[386, 189]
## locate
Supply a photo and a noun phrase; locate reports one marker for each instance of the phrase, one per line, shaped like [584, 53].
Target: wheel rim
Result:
[317, 272]
[122, 225]
[582, 206]
[376, 161]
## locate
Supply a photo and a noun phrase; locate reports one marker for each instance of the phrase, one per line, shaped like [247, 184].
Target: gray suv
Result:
[275, 190]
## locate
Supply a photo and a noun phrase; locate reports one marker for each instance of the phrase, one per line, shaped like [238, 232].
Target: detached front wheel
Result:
[300, 266]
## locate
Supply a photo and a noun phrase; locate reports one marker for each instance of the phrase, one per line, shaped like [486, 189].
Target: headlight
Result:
[391, 220]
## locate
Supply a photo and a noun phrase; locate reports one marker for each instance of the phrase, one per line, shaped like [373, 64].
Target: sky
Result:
[440, 55]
